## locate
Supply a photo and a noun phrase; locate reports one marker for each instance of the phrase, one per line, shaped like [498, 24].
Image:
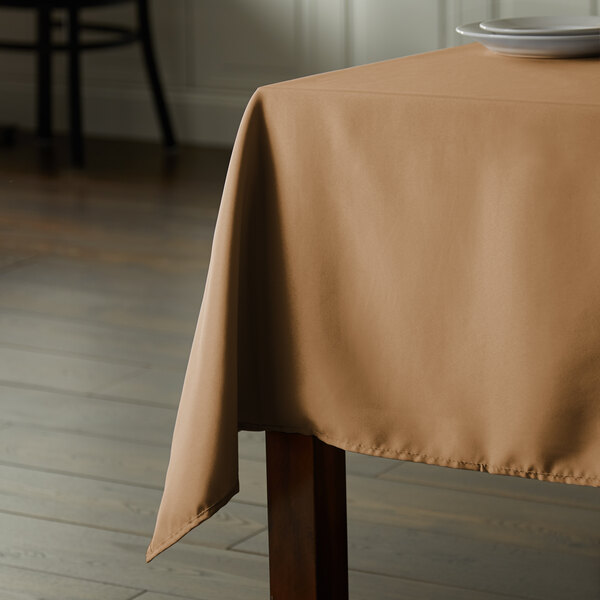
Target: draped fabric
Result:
[406, 264]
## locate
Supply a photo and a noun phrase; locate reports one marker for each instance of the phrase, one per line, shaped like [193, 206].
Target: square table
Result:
[406, 264]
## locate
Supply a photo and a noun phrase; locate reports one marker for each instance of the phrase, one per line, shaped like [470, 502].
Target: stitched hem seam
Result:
[441, 461]
[154, 551]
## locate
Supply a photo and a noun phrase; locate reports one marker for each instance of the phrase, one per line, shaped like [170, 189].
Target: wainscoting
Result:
[214, 55]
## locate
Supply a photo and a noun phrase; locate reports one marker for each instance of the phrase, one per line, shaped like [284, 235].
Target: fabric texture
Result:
[406, 264]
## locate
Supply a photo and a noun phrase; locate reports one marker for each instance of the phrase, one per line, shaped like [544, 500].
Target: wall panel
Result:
[381, 29]
[239, 44]
[524, 8]
[214, 53]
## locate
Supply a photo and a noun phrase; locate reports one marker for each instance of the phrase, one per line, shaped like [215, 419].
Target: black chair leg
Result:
[77, 153]
[44, 74]
[152, 70]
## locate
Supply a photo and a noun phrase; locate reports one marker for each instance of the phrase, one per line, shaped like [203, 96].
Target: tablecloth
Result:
[406, 264]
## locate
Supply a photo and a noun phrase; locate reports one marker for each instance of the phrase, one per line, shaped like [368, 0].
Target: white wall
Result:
[214, 53]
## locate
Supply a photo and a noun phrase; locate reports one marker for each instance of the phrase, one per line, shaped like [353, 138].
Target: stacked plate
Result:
[538, 37]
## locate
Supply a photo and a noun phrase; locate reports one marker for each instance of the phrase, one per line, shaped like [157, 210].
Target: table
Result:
[406, 264]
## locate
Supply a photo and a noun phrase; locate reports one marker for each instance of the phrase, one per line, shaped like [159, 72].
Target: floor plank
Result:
[77, 454]
[115, 507]
[370, 586]
[114, 236]
[489, 519]
[499, 568]
[155, 385]
[396, 504]
[60, 371]
[154, 596]
[149, 314]
[126, 280]
[101, 277]
[475, 482]
[72, 412]
[368, 466]
[25, 584]
[116, 461]
[10, 258]
[117, 558]
[90, 340]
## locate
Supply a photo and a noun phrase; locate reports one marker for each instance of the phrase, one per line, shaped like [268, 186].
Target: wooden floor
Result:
[101, 278]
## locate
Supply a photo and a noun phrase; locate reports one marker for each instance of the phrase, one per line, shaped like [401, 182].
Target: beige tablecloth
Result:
[406, 264]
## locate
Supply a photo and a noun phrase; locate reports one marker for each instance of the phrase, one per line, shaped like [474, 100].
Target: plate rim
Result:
[477, 31]
[553, 32]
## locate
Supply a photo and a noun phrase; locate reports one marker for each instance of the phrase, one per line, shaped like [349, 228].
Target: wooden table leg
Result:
[308, 542]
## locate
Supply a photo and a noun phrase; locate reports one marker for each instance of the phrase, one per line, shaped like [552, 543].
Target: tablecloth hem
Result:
[518, 471]
[153, 551]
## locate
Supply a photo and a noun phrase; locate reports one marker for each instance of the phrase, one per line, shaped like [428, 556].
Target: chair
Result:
[113, 36]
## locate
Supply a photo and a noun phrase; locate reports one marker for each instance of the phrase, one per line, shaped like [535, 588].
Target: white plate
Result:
[544, 26]
[535, 46]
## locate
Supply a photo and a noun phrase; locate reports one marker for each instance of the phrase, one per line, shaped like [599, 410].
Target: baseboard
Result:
[206, 118]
